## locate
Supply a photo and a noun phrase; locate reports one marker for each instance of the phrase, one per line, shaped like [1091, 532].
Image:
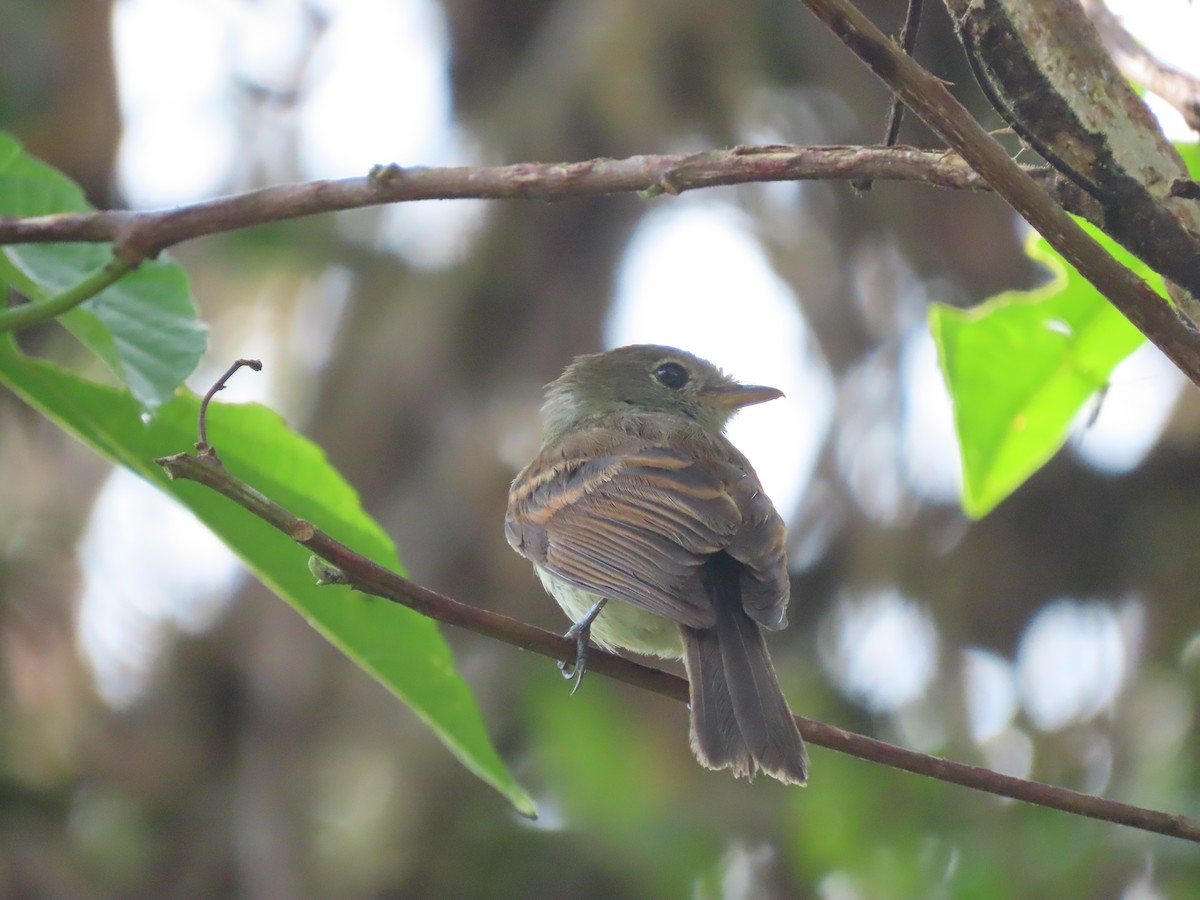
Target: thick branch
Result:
[928, 97]
[141, 235]
[363, 575]
[1045, 70]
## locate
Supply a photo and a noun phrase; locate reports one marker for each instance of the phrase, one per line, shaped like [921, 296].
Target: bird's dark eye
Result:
[671, 375]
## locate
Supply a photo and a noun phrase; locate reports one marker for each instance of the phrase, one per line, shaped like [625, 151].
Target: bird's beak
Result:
[735, 396]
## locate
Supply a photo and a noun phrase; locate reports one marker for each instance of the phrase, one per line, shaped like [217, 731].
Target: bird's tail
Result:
[740, 720]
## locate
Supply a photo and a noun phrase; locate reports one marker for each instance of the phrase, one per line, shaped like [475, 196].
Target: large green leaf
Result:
[1020, 367]
[400, 648]
[144, 326]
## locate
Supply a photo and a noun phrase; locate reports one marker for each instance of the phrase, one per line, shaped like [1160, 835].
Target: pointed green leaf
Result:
[403, 650]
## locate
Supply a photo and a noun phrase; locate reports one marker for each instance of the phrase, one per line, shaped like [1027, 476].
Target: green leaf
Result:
[1021, 366]
[144, 327]
[402, 649]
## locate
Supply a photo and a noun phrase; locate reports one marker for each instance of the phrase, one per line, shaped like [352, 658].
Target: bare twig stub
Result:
[1185, 188]
[202, 445]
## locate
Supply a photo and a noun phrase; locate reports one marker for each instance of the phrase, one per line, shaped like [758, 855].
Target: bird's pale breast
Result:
[620, 625]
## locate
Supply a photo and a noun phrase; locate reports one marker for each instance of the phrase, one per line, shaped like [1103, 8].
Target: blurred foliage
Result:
[255, 761]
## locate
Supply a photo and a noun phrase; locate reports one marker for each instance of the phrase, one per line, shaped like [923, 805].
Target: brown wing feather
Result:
[759, 546]
[630, 513]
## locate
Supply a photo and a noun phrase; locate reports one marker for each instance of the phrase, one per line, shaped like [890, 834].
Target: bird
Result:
[654, 535]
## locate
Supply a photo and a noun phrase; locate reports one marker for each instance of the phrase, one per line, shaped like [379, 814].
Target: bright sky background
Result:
[179, 65]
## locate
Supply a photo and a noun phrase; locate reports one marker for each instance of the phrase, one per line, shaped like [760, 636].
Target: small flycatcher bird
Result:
[653, 533]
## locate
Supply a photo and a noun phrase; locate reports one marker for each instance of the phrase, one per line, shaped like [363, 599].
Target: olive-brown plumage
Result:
[637, 498]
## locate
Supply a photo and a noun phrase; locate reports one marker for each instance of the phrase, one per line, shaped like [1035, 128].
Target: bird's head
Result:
[647, 378]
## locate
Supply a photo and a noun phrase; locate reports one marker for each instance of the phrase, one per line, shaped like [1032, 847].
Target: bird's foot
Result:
[579, 632]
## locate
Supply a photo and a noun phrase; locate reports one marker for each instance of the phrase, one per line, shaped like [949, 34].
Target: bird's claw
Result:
[573, 671]
[580, 632]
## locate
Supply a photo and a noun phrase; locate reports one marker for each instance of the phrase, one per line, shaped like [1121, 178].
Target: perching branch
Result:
[142, 235]
[363, 575]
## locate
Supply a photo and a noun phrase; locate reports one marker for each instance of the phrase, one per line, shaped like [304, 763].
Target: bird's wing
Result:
[633, 519]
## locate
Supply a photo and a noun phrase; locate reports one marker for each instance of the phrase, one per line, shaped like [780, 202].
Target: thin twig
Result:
[202, 444]
[368, 577]
[908, 43]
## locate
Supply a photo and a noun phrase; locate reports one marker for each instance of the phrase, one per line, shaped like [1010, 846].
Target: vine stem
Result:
[88, 286]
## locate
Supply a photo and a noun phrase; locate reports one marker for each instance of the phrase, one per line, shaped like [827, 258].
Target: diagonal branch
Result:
[364, 575]
[142, 235]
